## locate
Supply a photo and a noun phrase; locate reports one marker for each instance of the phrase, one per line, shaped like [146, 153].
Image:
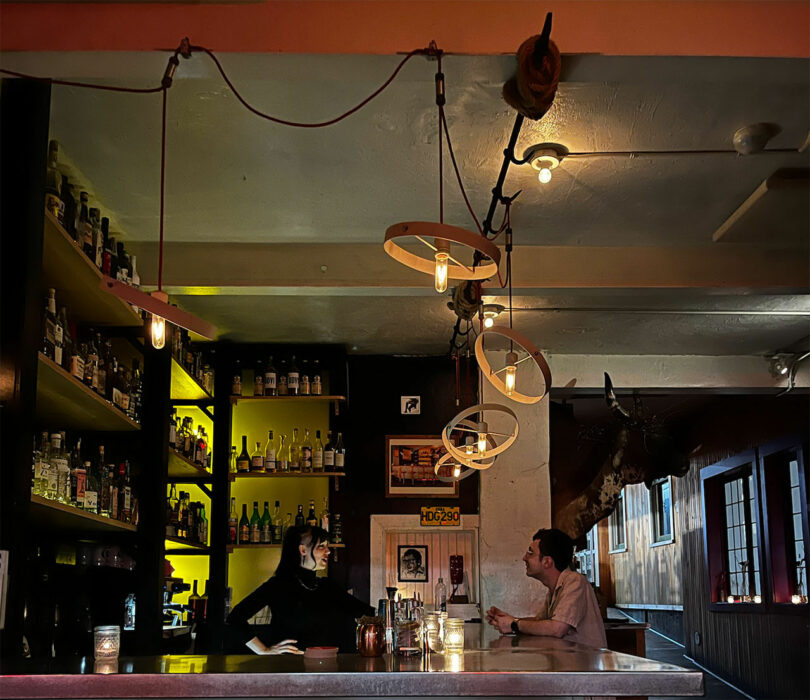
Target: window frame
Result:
[653, 515]
[623, 547]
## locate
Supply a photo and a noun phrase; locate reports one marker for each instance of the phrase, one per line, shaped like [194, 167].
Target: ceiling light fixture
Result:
[491, 312]
[544, 158]
[779, 365]
[481, 446]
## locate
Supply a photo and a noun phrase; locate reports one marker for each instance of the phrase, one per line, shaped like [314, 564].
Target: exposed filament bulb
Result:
[456, 471]
[511, 372]
[440, 272]
[482, 439]
[158, 332]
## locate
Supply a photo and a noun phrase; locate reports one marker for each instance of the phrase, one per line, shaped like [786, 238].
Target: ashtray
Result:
[320, 653]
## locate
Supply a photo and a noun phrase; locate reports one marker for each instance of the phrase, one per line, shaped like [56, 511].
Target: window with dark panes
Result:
[617, 527]
[741, 538]
[661, 511]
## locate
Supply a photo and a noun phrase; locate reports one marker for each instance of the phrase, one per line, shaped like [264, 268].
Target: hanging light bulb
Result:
[511, 372]
[544, 175]
[491, 312]
[440, 272]
[469, 447]
[482, 439]
[158, 332]
[456, 471]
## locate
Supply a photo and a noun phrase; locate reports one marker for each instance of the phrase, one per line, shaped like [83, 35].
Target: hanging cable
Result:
[162, 188]
[72, 83]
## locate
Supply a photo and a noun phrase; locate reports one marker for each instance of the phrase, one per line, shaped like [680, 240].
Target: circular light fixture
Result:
[508, 385]
[477, 432]
[441, 264]
[544, 158]
[779, 365]
[490, 313]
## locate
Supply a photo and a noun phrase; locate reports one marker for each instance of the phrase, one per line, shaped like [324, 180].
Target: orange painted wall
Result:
[691, 27]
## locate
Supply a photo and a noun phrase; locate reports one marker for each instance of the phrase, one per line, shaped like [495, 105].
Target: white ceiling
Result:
[232, 177]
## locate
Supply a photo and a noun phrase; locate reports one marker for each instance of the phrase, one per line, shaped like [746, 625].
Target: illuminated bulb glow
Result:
[544, 175]
[440, 275]
[730, 599]
[482, 444]
[158, 332]
[757, 599]
[456, 471]
[489, 322]
[796, 599]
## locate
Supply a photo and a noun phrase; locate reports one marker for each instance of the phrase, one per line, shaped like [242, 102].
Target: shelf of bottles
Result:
[184, 386]
[267, 475]
[232, 547]
[182, 546]
[67, 517]
[181, 467]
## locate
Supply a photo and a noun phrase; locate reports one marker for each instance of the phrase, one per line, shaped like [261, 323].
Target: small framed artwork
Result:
[412, 563]
[410, 468]
[410, 405]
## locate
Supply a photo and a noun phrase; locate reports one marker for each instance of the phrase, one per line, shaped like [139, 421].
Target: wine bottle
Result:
[257, 460]
[193, 604]
[232, 460]
[243, 460]
[233, 522]
[317, 453]
[294, 456]
[340, 454]
[306, 453]
[270, 453]
[266, 536]
[244, 526]
[255, 525]
[270, 387]
[299, 517]
[282, 455]
[329, 454]
[278, 532]
[312, 519]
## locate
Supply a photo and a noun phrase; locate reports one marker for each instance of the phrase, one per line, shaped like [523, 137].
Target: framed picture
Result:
[410, 405]
[412, 563]
[410, 464]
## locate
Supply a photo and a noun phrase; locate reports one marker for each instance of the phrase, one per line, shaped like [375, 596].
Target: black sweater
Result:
[314, 611]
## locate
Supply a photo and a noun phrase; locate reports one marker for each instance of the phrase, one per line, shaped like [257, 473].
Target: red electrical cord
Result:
[71, 83]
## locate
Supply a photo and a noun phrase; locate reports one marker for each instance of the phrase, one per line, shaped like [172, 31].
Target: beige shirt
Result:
[574, 602]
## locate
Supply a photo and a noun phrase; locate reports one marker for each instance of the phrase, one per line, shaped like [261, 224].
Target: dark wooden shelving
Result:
[59, 515]
[182, 468]
[184, 387]
[64, 401]
[271, 475]
[180, 546]
[78, 281]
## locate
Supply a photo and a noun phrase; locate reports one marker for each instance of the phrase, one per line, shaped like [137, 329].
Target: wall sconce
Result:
[544, 158]
[779, 365]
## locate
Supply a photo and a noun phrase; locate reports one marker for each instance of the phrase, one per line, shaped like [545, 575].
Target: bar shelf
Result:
[182, 468]
[65, 401]
[231, 547]
[269, 475]
[181, 546]
[239, 399]
[67, 269]
[184, 387]
[62, 516]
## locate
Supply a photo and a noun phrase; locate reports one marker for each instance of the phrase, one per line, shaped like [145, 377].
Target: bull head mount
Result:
[636, 450]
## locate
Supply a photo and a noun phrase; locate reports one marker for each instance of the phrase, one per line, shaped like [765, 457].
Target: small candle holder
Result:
[453, 635]
[106, 642]
[106, 666]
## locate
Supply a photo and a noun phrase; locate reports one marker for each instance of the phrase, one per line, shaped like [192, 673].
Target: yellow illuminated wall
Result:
[190, 567]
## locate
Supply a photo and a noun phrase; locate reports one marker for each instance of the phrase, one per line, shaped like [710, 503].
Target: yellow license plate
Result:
[442, 516]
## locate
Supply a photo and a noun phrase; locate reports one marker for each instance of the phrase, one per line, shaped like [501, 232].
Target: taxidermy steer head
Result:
[637, 449]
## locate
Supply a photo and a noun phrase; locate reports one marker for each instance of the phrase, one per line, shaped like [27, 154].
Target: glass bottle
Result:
[317, 453]
[233, 522]
[293, 379]
[95, 225]
[266, 525]
[304, 389]
[258, 380]
[84, 232]
[59, 471]
[255, 525]
[91, 364]
[316, 385]
[203, 527]
[90, 489]
[270, 453]
[243, 460]
[337, 529]
[329, 454]
[232, 460]
[77, 360]
[49, 326]
[257, 460]
[236, 385]
[106, 253]
[103, 361]
[312, 519]
[440, 599]
[67, 339]
[104, 491]
[201, 451]
[244, 526]
[325, 514]
[306, 453]
[78, 480]
[340, 454]
[299, 516]
[45, 468]
[270, 387]
[282, 455]
[173, 429]
[193, 604]
[282, 379]
[294, 456]
[53, 184]
[277, 524]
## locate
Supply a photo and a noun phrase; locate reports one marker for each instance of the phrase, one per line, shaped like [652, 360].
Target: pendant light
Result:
[480, 446]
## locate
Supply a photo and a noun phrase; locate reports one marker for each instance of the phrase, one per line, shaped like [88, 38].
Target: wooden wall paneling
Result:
[606, 583]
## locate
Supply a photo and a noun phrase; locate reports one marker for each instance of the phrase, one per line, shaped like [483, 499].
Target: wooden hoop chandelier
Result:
[483, 450]
[532, 353]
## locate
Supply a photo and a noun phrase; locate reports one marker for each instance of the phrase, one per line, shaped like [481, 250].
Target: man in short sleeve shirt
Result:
[570, 611]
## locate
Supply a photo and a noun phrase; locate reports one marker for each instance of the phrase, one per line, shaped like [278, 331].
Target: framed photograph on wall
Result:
[410, 464]
[412, 563]
[410, 405]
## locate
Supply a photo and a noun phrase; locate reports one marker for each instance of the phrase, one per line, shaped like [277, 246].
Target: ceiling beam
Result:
[211, 268]
[629, 28]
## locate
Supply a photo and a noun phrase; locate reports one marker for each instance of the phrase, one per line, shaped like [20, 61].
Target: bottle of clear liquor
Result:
[270, 383]
[278, 526]
[59, 472]
[306, 453]
[282, 455]
[78, 477]
[257, 460]
[317, 453]
[42, 467]
[294, 456]
[270, 453]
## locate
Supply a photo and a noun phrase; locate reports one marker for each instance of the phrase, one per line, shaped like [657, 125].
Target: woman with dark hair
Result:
[306, 610]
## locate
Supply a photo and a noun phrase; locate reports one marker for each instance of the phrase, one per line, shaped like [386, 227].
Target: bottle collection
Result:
[85, 224]
[192, 360]
[99, 485]
[301, 454]
[186, 520]
[270, 528]
[194, 445]
[89, 357]
[289, 380]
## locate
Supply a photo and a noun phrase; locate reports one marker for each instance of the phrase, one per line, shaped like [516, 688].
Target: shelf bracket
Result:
[205, 490]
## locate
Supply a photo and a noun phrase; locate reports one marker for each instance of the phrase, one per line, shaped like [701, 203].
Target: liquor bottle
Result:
[294, 457]
[84, 232]
[204, 603]
[305, 386]
[299, 517]
[282, 379]
[270, 453]
[58, 482]
[243, 460]
[173, 429]
[329, 454]
[317, 453]
[103, 361]
[77, 360]
[232, 460]
[257, 460]
[278, 531]
[270, 386]
[78, 477]
[67, 339]
[293, 379]
[312, 519]
[115, 490]
[337, 530]
[49, 326]
[98, 245]
[282, 454]
[201, 451]
[124, 493]
[91, 489]
[440, 600]
[123, 264]
[306, 453]
[325, 514]
[136, 278]
[49, 478]
[316, 383]
[129, 612]
[135, 391]
[266, 526]
[41, 467]
[236, 385]
[202, 527]
[255, 525]
[233, 522]
[53, 181]
[193, 604]
[104, 491]
[258, 380]
[106, 251]
[340, 454]
[171, 519]
[69, 206]
[91, 364]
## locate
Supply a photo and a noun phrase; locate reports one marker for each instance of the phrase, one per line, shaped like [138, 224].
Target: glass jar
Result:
[453, 635]
[106, 642]
[433, 636]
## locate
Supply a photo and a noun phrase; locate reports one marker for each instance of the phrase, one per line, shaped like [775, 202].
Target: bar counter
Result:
[489, 667]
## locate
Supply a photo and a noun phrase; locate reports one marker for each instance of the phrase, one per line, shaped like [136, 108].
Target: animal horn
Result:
[611, 400]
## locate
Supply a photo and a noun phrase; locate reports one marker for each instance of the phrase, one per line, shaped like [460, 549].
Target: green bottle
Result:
[255, 525]
[266, 536]
[244, 526]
